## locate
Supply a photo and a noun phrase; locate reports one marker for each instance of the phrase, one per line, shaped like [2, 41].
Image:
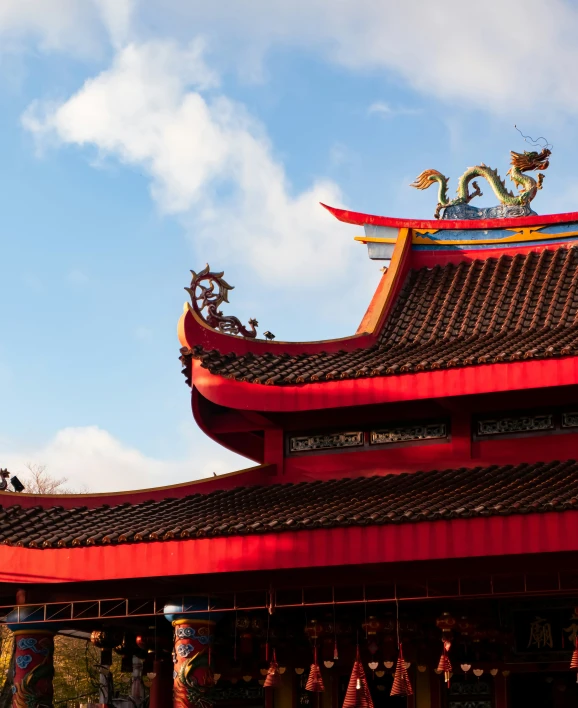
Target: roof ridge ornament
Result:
[510, 205]
[208, 290]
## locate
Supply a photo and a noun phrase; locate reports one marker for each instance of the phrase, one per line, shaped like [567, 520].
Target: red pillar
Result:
[193, 678]
[501, 691]
[34, 668]
[161, 685]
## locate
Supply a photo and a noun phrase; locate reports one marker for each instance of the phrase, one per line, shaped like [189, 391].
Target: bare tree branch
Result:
[37, 480]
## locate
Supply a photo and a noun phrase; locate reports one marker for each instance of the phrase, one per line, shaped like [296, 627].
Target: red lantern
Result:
[314, 629]
[465, 626]
[273, 677]
[446, 623]
[315, 681]
[372, 626]
[243, 628]
[401, 683]
[357, 694]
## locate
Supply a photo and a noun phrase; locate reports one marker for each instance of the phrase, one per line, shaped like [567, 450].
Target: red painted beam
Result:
[435, 540]
[469, 380]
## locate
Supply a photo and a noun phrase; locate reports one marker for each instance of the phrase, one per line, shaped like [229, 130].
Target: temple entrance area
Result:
[342, 646]
[470, 692]
[544, 690]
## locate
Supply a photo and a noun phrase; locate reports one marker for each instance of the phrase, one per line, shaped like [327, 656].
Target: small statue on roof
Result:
[510, 205]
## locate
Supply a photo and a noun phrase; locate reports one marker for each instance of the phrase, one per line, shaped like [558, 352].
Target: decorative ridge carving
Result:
[511, 205]
[208, 290]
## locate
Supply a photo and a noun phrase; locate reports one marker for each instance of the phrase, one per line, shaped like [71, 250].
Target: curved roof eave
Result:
[194, 332]
[360, 219]
[441, 383]
[249, 476]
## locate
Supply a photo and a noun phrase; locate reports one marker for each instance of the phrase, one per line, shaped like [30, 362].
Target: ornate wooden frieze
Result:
[408, 433]
[570, 419]
[309, 443]
[515, 424]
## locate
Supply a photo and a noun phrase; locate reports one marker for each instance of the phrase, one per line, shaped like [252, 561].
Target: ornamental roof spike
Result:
[208, 290]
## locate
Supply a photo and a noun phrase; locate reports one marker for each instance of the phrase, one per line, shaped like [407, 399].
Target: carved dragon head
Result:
[528, 161]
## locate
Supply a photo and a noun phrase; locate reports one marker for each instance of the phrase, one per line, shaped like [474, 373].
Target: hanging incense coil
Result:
[401, 683]
[273, 677]
[315, 681]
[445, 664]
[574, 660]
[357, 694]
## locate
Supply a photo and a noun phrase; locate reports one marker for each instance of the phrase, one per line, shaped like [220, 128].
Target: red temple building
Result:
[408, 532]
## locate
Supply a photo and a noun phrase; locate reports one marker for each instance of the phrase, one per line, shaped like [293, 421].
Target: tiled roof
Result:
[389, 499]
[500, 309]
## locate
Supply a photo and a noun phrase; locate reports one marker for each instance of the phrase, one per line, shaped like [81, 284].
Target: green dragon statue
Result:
[520, 163]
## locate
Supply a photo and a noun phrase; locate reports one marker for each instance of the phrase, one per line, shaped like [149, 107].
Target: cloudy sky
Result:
[139, 140]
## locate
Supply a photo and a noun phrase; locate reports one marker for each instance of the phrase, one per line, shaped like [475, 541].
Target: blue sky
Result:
[139, 140]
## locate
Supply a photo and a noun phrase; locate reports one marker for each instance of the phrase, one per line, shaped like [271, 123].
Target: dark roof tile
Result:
[500, 309]
[402, 498]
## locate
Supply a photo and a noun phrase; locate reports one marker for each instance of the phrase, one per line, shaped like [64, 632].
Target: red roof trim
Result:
[192, 332]
[485, 378]
[430, 540]
[246, 477]
[360, 219]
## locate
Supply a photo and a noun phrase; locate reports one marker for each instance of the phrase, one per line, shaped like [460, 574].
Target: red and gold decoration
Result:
[315, 681]
[447, 623]
[273, 678]
[357, 694]
[193, 678]
[445, 665]
[33, 668]
[401, 683]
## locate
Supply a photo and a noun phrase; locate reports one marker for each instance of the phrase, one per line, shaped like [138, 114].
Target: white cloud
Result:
[153, 109]
[384, 109]
[91, 457]
[117, 16]
[82, 27]
[506, 57]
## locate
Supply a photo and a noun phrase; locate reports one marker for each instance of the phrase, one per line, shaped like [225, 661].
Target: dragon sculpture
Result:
[513, 205]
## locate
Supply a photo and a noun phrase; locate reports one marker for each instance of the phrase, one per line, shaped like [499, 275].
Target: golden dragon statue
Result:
[527, 186]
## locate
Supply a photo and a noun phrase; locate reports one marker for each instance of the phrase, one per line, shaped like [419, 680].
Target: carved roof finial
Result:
[208, 291]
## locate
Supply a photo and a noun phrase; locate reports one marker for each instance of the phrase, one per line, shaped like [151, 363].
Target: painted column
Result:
[192, 675]
[34, 668]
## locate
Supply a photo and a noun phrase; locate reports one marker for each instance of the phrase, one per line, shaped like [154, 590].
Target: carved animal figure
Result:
[520, 163]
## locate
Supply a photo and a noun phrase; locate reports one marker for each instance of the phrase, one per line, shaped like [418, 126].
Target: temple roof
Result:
[376, 500]
[507, 308]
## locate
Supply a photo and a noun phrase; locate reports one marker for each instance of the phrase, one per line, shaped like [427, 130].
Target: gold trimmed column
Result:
[192, 676]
